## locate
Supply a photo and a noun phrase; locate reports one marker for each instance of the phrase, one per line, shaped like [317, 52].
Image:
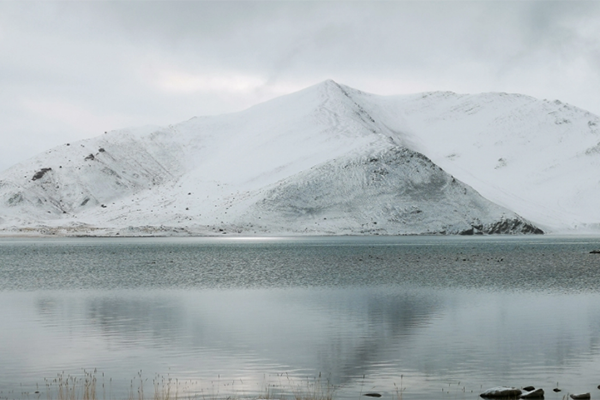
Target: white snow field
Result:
[326, 160]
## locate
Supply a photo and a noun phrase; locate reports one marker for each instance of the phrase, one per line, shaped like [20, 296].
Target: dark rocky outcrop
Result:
[580, 396]
[533, 394]
[501, 392]
[512, 225]
[504, 226]
[40, 174]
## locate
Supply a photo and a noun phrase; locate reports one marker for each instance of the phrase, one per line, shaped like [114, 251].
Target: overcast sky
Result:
[72, 70]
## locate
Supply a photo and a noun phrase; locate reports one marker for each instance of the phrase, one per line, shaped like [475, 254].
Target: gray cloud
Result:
[72, 70]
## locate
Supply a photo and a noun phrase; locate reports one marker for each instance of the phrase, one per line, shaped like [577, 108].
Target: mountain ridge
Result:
[206, 175]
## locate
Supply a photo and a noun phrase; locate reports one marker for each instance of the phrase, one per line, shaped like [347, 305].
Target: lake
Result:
[406, 317]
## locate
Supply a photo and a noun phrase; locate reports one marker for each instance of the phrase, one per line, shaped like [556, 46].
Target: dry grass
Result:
[69, 387]
[89, 387]
[311, 389]
[94, 386]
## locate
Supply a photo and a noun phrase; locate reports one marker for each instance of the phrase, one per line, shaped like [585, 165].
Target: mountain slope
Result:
[261, 170]
[535, 157]
[389, 191]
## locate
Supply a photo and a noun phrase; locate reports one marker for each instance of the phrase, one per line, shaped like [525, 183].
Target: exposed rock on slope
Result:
[74, 177]
[391, 191]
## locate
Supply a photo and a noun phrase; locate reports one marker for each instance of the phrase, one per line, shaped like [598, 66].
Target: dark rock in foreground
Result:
[533, 394]
[501, 392]
[580, 396]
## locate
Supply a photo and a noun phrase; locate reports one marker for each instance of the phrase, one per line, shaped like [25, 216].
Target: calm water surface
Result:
[433, 317]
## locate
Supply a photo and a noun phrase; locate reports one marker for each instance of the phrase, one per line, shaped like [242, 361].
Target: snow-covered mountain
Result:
[326, 160]
[538, 158]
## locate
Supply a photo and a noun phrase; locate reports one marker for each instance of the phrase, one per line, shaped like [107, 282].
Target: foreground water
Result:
[420, 317]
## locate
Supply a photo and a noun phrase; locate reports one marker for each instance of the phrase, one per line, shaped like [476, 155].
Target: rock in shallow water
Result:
[501, 392]
[579, 396]
[533, 394]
